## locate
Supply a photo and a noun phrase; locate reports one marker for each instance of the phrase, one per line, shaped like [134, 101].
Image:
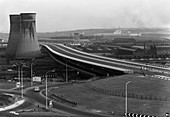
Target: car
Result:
[36, 89]
[18, 84]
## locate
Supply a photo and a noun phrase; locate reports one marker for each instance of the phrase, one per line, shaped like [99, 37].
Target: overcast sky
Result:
[59, 15]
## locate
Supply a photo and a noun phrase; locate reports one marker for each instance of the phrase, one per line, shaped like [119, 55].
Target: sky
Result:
[61, 15]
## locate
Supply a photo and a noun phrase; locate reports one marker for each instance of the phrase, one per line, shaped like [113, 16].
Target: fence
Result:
[129, 95]
[62, 99]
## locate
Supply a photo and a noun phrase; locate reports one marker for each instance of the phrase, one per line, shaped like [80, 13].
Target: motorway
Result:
[36, 97]
[100, 61]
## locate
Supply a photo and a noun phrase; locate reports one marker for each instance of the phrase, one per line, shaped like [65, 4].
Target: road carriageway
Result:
[141, 65]
[100, 61]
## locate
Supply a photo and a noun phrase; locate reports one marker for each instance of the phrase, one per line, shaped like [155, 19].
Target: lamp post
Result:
[126, 97]
[22, 83]
[31, 65]
[77, 75]
[66, 74]
[19, 77]
[31, 74]
[46, 87]
[19, 73]
[17, 65]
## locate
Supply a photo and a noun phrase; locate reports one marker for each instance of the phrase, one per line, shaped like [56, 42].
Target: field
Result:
[90, 99]
[7, 85]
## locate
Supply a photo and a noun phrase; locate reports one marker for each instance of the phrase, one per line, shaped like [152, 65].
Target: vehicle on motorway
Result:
[36, 89]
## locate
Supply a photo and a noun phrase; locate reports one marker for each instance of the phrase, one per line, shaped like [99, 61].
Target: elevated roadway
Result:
[58, 51]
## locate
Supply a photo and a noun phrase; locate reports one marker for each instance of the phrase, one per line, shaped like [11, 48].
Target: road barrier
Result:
[137, 115]
[62, 99]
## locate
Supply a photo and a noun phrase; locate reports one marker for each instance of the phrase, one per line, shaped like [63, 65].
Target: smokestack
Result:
[28, 46]
[14, 36]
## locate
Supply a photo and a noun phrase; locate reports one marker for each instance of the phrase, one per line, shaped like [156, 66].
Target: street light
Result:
[66, 73]
[46, 87]
[17, 65]
[31, 65]
[22, 84]
[77, 75]
[19, 76]
[126, 97]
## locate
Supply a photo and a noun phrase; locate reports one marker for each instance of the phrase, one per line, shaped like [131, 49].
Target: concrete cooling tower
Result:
[14, 36]
[22, 42]
[28, 46]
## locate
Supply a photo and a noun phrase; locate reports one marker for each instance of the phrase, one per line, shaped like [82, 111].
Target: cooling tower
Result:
[28, 46]
[14, 36]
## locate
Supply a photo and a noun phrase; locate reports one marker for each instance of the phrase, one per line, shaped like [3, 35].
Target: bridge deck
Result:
[115, 64]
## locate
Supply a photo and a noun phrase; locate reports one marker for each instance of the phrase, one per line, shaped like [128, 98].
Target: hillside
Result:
[148, 31]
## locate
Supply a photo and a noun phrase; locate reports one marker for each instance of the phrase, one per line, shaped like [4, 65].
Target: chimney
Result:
[28, 46]
[14, 37]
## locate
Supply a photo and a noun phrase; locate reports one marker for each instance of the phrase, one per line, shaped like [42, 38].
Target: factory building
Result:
[163, 50]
